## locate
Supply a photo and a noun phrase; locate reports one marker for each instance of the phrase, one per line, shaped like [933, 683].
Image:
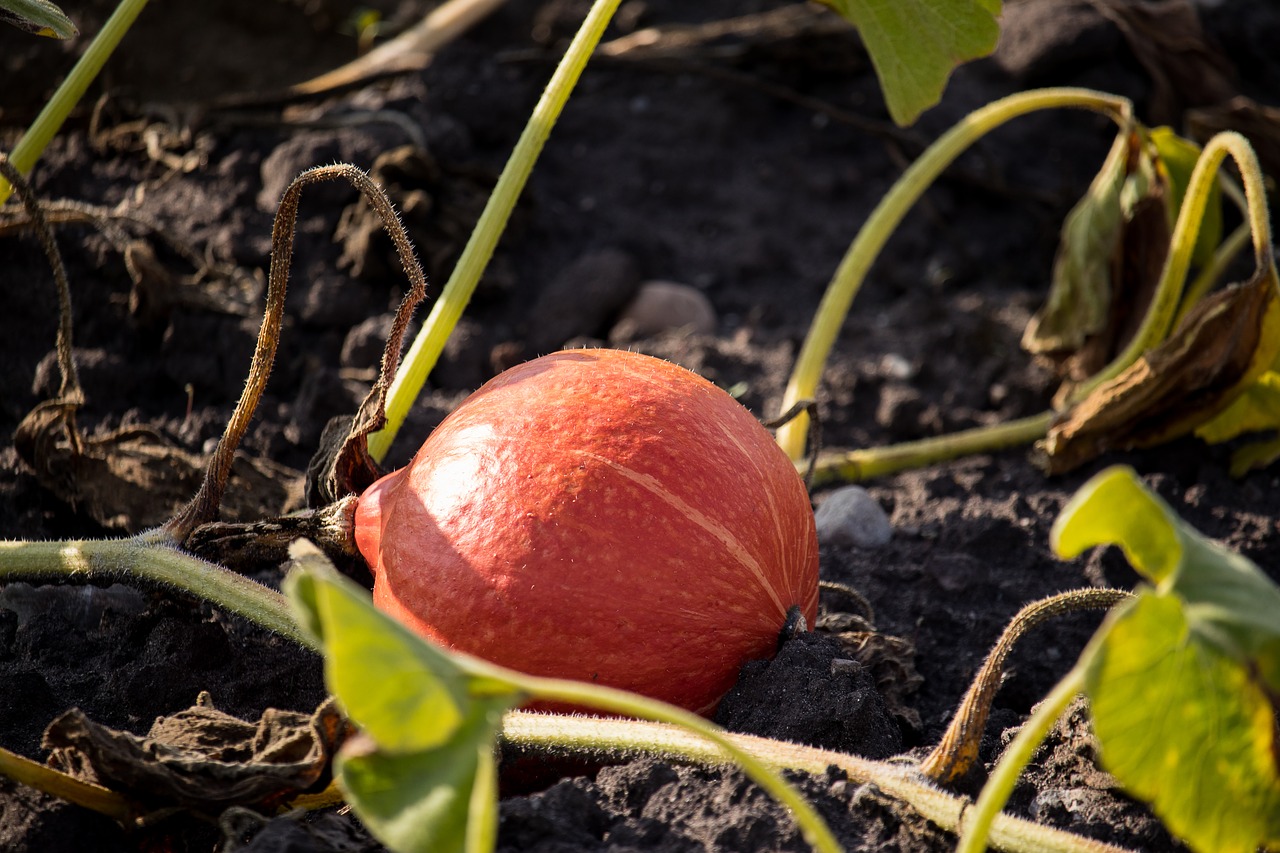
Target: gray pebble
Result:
[664, 306]
[582, 299]
[851, 517]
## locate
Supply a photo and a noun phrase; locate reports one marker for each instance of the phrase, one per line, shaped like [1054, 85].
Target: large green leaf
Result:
[1186, 728]
[38, 16]
[1182, 679]
[915, 44]
[421, 774]
[442, 799]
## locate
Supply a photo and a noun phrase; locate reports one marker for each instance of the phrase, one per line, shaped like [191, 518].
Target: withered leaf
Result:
[134, 478]
[1080, 292]
[342, 464]
[203, 759]
[1137, 265]
[1226, 342]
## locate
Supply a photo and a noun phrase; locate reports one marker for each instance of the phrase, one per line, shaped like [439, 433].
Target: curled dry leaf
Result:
[202, 758]
[1225, 344]
[1135, 275]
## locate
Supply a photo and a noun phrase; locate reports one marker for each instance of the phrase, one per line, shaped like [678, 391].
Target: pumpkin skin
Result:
[602, 516]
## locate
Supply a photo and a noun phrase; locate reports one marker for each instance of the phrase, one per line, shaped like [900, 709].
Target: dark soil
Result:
[741, 166]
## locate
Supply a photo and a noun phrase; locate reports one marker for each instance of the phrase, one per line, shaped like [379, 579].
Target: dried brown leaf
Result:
[202, 758]
[1225, 343]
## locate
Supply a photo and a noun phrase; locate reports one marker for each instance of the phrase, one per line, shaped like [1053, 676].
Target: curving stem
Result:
[884, 219]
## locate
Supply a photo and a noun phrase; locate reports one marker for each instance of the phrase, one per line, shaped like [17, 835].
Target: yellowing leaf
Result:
[1114, 507]
[1182, 680]
[915, 44]
[1223, 346]
[1186, 728]
[1256, 409]
[1254, 456]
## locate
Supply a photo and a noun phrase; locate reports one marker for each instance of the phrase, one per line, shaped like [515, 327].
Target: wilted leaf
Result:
[202, 758]
[1182, 679]
[422, 776]
[1137, 266]
[1080, 295]
[1226, 342]
[915, 44]
[38, 16]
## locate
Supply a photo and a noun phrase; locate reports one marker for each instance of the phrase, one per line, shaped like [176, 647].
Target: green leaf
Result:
[1185, 727]
[38, 16]
[406, 695]
[915, 44]
[1080, 293]
[1114, 508]
[1178, 156]
[1182, 679]
[442, 799]
[421, 775]
[1257, 408]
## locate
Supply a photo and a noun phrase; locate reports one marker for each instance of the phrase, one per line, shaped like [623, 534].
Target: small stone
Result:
[851, 517]
[664, 306]
[582, 299]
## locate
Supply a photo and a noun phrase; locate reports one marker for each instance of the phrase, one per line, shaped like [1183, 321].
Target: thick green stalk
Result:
[882, 222]
[1158, 321]
[558, 734]
[978, 824]
[858, 465]
[134, 559]
[64, 100]
[427, 346]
